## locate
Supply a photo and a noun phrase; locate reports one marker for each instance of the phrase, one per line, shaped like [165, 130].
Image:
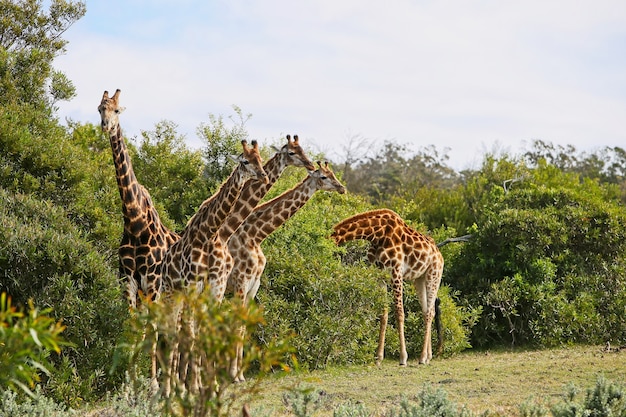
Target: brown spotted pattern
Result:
[219, 257]
[410, 256]
[145, 239]
[187, 261]
[245, 244]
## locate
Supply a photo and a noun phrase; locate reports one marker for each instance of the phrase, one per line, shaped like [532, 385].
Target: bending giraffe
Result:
[245, 244]
[145, 239]
[410, 256]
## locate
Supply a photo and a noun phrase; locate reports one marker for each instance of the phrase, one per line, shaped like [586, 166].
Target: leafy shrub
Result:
[193, 328]
[46, 258]
[606, 398]
[430, 403]
[25, 343]
[39, 405]
[545, 262]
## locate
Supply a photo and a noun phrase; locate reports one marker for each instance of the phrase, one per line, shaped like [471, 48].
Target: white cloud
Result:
[455, 74]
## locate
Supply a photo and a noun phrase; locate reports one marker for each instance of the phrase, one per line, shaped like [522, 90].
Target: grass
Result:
[493, 381]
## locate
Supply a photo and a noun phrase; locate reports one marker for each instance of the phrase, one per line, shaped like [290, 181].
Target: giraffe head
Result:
[325, 179]
[110, 110]
[251, 163]
[294, 154]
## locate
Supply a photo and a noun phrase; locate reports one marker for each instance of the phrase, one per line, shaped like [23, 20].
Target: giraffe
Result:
[245, 244]
[145, 239]
[186, 265]
[410, 256]
[291, 154]
[186, 261]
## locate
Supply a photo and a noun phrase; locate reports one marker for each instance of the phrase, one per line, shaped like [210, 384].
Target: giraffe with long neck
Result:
[245, 244]
[186, 263]
[410, 256]
[291, 154]
[145, 239]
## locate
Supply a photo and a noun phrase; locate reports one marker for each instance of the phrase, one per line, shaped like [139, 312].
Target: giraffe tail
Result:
[438, 326]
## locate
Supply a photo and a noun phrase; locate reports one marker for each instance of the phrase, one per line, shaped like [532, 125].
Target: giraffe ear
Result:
[121, 109]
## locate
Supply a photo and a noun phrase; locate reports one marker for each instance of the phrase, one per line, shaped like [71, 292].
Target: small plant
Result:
[197, 334]
[351, 409]
[604, 399]
[26, 340]
[34, 406]
[303, 401]
[430, 403]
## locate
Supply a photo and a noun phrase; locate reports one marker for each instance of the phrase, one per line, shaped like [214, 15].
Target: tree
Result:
[547, 258]
[222, 141]
[171, 172]
[30, 39]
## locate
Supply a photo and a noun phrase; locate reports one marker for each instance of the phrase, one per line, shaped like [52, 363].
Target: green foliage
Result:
[199, 330]
[333, 308]
[46, 258]
[222, 141]
[604, 399]
[39, 405]
[546, 259]
[171, 172]
[25, 342]
[395, 172]
[430, 403]
[303, 401]
[38, 157]
[31, 39]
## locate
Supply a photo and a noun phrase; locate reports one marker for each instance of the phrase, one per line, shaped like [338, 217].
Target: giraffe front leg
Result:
[427, 350]
[397, 295]
[380, 352]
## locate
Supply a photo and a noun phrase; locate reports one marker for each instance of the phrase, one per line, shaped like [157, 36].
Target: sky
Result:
[468, 77]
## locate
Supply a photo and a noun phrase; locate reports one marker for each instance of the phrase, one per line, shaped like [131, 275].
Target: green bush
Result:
[429, 403]
[546, 262]
[606, 398]
[47, 259]
[26, 340]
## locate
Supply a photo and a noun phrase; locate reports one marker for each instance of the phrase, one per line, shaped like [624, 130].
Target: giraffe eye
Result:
[324, 177]
[246, 162]
[291, 153]
[117, 111]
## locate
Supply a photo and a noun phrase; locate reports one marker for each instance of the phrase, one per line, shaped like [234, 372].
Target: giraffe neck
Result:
[213, 211]
[268, 217]
[251, 193]
[131, 192]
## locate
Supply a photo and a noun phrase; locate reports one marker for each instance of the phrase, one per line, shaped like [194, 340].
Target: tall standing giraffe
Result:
[410, 256]
[245, 244]
[145, 239]
[291, 154]
[186, 263]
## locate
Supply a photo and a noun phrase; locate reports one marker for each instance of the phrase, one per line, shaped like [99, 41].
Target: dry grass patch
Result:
[494, 381]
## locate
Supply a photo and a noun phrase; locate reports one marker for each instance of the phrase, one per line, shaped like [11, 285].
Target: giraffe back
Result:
[394, 244]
